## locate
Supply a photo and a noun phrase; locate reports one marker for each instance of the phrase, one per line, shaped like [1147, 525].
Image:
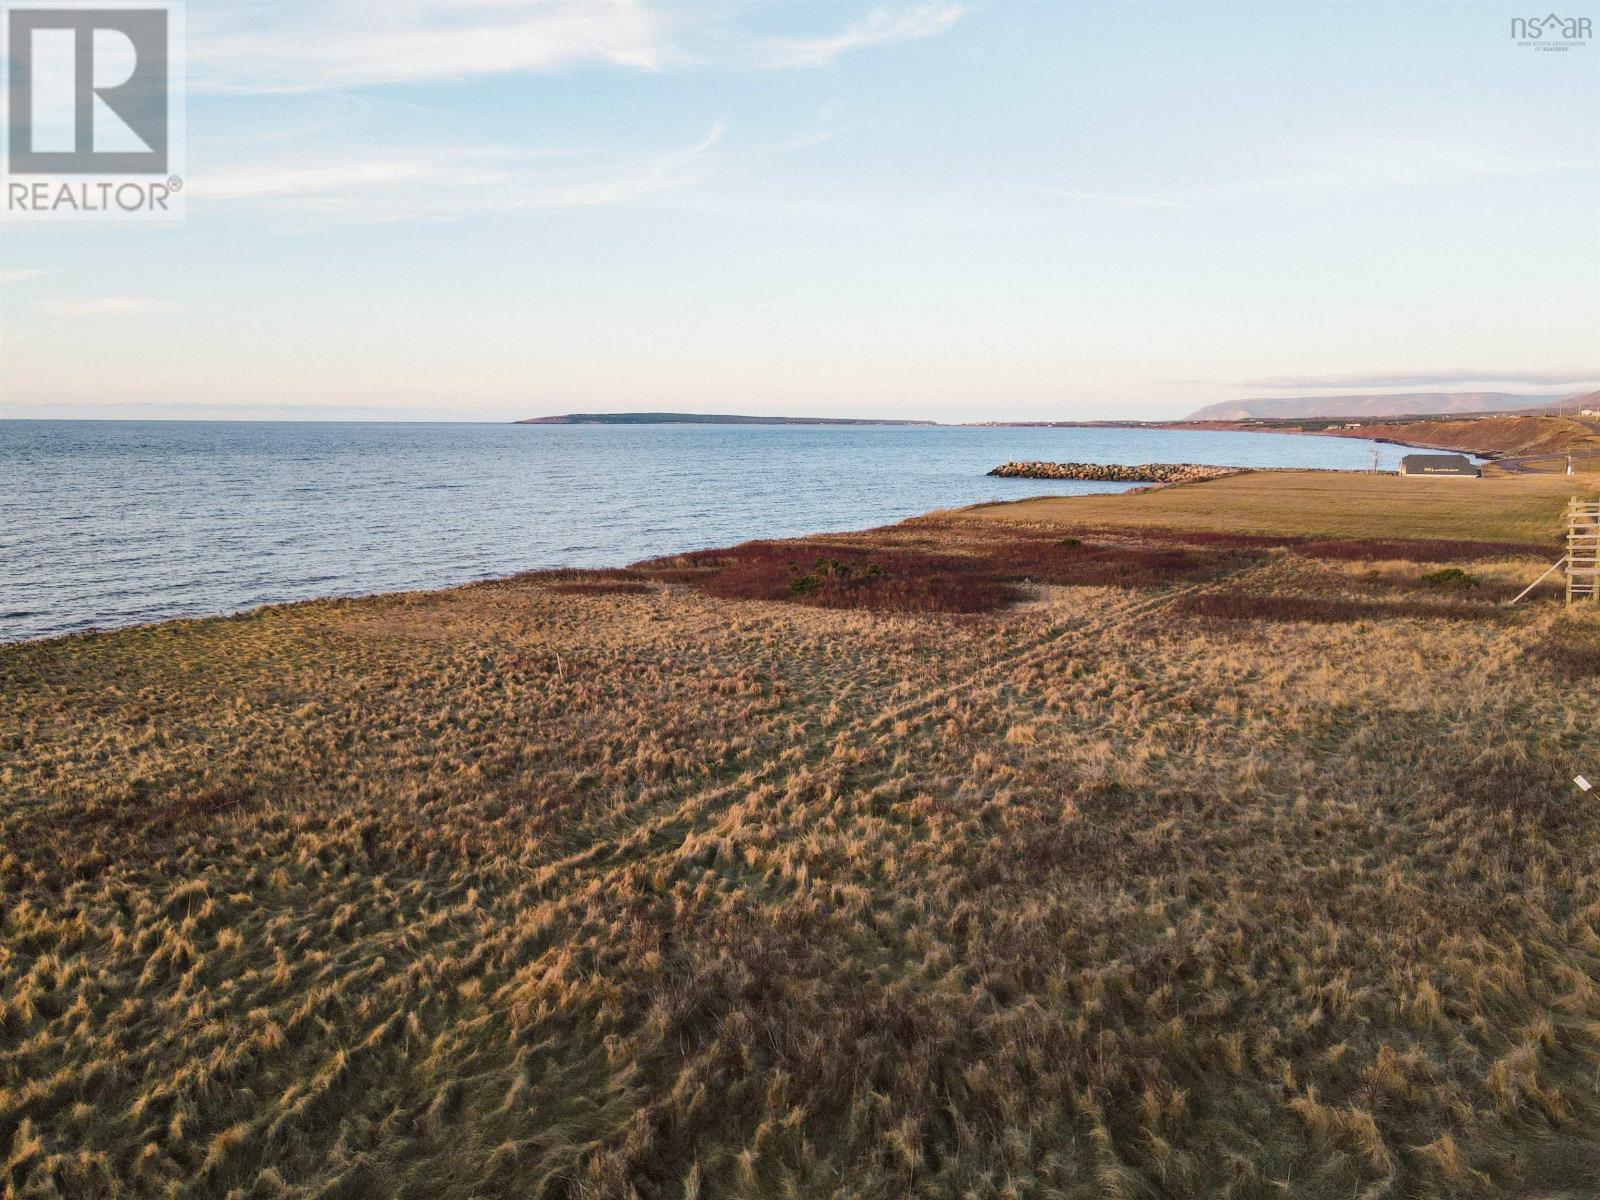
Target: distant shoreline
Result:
[1252, 425]
[672, 418]
[1381, 430]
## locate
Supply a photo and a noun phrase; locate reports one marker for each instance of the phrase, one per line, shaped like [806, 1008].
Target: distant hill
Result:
[1400, 404]
[669, 418]
[1515, 434]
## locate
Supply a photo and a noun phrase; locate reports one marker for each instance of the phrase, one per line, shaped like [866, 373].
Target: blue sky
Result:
[484, 209]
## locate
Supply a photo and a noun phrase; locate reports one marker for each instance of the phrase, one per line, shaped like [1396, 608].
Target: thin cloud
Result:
[108, 306]
[1448, 376]
[438, 185]
[881, 27]
[242, 46]
[21, 275]
[303, 46]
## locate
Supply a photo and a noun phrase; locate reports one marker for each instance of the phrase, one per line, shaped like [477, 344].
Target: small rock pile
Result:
[1114, 472]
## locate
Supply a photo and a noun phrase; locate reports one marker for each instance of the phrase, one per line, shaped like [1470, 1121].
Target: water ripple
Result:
[113, 523]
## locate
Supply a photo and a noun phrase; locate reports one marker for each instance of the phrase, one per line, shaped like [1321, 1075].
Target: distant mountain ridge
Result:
[1398, 404]
[671, 418]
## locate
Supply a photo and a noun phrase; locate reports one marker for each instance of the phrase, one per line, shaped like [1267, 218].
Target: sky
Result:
[957, 210]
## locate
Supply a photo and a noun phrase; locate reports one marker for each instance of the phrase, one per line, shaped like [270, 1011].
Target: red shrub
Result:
[900, 575]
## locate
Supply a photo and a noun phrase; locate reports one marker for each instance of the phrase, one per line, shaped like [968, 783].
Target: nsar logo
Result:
[1552, 32]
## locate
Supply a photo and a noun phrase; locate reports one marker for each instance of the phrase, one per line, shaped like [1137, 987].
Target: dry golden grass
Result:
[1516, 436]
[1498, 507]
[515, 891]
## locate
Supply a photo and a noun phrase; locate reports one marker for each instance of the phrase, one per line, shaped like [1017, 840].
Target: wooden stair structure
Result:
[1583, 551]
[1582, 559]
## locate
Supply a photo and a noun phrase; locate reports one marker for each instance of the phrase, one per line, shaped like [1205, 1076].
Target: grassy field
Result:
[976, 857]
[1499, 507]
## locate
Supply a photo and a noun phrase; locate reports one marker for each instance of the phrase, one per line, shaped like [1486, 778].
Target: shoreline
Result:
[1085, 501]
[167, 583]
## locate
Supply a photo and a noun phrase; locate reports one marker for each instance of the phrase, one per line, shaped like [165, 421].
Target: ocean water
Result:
[116, 523]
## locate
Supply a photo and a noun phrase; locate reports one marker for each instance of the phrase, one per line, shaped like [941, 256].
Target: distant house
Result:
[1457, 466]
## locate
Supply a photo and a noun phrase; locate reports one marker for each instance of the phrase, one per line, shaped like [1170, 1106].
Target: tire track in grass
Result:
[671, 841]
[671, 827]
[485, 944]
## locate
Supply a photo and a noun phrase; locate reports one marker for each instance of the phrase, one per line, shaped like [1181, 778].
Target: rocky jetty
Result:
[1114, 472]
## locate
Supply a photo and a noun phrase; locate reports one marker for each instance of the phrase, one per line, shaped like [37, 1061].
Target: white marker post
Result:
[1583, 784]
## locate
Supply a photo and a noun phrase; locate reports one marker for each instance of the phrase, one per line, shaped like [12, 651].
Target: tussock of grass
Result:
[1453, 578]
[510, 891]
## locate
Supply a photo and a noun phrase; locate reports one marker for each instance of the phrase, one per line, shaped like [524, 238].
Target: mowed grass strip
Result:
[1497, 507]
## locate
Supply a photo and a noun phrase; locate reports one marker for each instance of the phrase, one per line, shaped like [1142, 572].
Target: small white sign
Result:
[1583, 784]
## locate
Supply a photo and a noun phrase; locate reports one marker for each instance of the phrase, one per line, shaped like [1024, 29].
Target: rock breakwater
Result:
[1115, 472]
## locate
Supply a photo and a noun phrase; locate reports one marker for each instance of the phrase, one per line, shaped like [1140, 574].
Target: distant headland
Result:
[671, 418]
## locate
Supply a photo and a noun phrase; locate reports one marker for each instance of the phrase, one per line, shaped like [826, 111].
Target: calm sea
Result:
[115, 523]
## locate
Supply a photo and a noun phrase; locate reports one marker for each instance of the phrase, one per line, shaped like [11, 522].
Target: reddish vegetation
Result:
[935, 569]
[1253, 606]
[897, 576]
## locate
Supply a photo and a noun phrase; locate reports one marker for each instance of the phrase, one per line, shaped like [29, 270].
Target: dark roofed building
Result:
[1457, 466]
